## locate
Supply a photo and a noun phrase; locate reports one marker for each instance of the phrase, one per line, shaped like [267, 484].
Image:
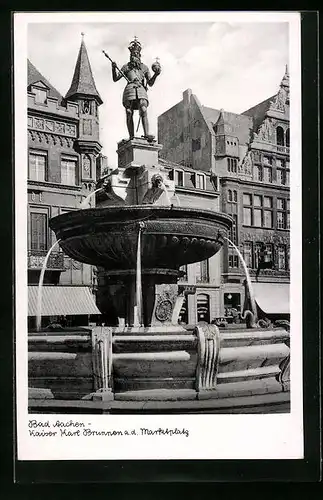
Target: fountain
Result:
[139, 239]
[40, 286]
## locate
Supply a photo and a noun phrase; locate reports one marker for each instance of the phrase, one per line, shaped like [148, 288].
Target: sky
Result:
[229, 65]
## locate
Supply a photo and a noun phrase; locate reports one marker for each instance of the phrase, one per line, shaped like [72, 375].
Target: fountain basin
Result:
[171, 236]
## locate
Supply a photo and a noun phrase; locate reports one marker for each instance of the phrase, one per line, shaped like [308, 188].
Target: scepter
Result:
[121, 72]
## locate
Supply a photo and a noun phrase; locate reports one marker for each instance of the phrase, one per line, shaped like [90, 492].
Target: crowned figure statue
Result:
[135, 95]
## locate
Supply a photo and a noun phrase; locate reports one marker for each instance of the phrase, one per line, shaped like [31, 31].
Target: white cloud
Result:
[227, 65]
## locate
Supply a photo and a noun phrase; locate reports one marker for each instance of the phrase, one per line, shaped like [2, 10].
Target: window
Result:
[281, 257]
[232, 164]
[247, 216]
[179, 177]
[203, 307]
[257, 217]
[233, 230]
[280, 136]
[200, 181]
[232, 209]
[37, 166]
[233, 258]
[258, 210]
[267, 160]
[68, 172]
[38, 231]
[281, 178]
[268, 218]
[247, 253]
[280, 220]
[202, 272]
[283, 218]
[247, 199]
[257, 200]
[268, 202]
[40, 95]
[268, 174]
[258, 246]
[231, 301]
[268, 256]
[279, 163]
[287, 138]
[259, 173]
[268, 252]
[171, 175]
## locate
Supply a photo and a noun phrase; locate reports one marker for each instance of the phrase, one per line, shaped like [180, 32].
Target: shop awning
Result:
[272, 298]
[62, 301]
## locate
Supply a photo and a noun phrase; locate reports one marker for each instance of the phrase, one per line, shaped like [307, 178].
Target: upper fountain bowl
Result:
[171, 236]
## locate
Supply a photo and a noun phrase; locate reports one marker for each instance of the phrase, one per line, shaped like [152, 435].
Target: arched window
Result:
[280, 139]
[229, 195]
[235, 196]
[203, 307]
[287, 138]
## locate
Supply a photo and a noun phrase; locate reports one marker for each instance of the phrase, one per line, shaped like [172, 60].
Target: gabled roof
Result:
[259, 111]
[240, 124]
[83, 81]
[34, 76]
[171, 164]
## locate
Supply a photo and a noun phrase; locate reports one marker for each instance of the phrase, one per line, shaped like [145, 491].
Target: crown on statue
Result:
[135, 47]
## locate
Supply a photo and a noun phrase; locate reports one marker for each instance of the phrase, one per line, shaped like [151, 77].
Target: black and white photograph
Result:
[159, 219]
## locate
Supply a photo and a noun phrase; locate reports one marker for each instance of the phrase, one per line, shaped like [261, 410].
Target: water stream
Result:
[40, 286]
[244, 265]
[164, 188]
[87, 199]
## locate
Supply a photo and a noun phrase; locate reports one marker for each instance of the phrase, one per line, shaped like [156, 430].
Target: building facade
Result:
[247, 157]
[198, 189]
[63, 166]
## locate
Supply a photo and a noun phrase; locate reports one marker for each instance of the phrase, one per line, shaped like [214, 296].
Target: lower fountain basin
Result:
[171, 236]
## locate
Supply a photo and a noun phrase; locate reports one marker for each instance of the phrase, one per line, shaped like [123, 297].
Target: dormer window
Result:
[40, 91]
[179, 177]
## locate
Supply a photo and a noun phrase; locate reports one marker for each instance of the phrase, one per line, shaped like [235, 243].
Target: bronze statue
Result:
[135, 95]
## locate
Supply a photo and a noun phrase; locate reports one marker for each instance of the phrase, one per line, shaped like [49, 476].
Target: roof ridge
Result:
[35, 75]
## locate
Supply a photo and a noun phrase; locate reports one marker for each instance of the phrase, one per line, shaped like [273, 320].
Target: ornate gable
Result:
[266, 131]
[280, 103]
[245, 167]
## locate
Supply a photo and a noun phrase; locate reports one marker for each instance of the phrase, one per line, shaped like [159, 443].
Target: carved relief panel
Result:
[86, 171]
[87, 127]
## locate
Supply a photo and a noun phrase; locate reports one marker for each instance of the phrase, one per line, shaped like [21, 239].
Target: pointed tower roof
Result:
[285, 80]
[221, 120]
[83, 81]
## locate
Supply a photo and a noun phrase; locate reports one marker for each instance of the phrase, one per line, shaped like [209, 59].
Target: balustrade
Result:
[36, 260]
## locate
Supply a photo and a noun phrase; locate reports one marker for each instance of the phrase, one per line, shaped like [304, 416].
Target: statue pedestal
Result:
[138, 158]
[137, 152]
